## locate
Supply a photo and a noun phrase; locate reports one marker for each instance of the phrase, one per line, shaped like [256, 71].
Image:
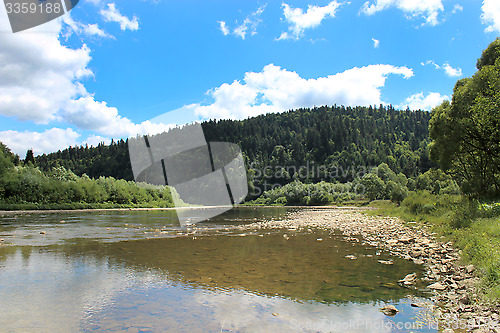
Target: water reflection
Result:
[257, 282]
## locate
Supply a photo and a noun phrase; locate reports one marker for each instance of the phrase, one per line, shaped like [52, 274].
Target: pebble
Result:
[450, 281]
[389, 310]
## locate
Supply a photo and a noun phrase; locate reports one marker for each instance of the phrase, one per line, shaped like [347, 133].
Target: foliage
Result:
[472, 225]
[466, 132]
[300, 194]
[283, 147]
[27, 186]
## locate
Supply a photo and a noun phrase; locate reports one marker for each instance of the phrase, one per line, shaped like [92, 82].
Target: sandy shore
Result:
[454, 286]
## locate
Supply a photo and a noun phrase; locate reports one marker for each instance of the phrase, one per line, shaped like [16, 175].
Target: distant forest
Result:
[338, 136]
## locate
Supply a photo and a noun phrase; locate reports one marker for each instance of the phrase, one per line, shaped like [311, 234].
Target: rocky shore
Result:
[454, 286]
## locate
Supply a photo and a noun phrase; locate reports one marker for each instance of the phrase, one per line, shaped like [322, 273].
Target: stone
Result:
[437, 286]
[408, 279]
[389, 310]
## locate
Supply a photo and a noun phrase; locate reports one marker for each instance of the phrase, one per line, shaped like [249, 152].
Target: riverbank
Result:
[453, 285]
[49, 211]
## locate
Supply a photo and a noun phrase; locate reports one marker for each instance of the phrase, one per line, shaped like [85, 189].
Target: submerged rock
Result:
[408, 279]
[389, 310]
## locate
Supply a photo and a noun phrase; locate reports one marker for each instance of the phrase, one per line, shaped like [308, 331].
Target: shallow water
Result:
[139, 271]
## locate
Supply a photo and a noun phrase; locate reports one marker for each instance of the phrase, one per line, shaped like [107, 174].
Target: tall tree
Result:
[29, 157]
[466, 132]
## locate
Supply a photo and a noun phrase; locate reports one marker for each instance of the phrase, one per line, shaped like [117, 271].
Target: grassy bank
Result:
[473, 226]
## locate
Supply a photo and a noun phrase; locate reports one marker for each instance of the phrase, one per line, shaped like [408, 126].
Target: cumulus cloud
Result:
[111, 14]
[491, 15]
[275, 89]
[376, 42]
[421, 102]
[38, 75]
[299, 20]
[42, 81]
[249, 25]
[450, 71]
[87, 113]
[41, 142]
[429, 10]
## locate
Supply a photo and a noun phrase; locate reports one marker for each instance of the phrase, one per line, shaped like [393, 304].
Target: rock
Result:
[275, 314]
[419, 305]
[469, 269]
[386, 262]
[319, 239]
[285, 236]
[42, 232]
[406, 240]
[437, 286]
[389, 310]
[408, 279]
[351, 256]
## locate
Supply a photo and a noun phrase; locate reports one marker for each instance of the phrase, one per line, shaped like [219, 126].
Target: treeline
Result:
[337, 137]
[23, 186]
[381, 183]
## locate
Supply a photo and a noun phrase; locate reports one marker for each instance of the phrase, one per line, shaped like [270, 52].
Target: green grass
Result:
[473, 226]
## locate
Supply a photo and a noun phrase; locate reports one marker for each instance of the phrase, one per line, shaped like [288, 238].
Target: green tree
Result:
[466, 132]
[29, 157]
[374, 186]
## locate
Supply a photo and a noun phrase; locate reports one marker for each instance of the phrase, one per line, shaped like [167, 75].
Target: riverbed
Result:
[244, 271]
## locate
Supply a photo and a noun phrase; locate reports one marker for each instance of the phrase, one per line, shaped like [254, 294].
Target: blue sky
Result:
[112, 69]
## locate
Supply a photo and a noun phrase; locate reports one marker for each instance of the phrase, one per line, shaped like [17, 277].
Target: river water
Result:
[140, 271]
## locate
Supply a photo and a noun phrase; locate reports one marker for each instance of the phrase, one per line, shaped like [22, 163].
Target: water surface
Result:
[139, 271]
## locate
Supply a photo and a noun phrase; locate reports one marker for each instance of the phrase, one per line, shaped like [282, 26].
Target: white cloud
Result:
[249, 25]
[83, 28]
[421, 102]
[41, 80]
[430, 62]
[111, 14]
[450, 71]
[38, 75]
[95, 140]
[426, 9]
[45, 142]
[299, 21]
[223, 28]
[275, 90]
[87, 113]
[491, 15]
[457, 8]
[376, 42]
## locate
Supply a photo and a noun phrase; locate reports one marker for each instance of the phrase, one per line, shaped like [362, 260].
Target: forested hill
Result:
[342, 136]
